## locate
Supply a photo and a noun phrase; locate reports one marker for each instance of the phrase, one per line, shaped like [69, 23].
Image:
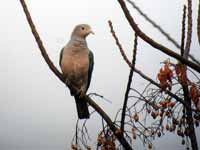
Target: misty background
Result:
[36, 110]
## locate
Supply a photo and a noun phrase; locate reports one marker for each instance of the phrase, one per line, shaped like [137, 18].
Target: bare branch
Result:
[119, 45]
[39, 42]
[183, 31]
[129, 84]
[140, 72]
[167, 35]
[189, 30]
[61, 77]
[154, 43]
[194, 59]
[198, 23]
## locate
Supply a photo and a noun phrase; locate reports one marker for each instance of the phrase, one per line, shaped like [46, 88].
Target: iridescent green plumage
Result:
[91, 66]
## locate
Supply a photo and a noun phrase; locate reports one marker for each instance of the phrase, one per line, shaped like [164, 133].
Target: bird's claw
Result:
[80, 94]
[67, 82]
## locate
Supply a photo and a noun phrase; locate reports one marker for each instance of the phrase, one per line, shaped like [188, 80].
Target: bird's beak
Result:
[92, 32]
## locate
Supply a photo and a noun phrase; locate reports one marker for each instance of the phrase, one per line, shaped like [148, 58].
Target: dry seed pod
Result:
[196, 123]
[187, 131]
[168, 113]
[159, 134]
[175, 121]
[148, 110]
[136, 117]
[167, 127]
[154, 114]
[117, 131]
[155, 106]
[73, 147]
[150, 146]
[180, 133]
[134, 136]
[103, 148]
[161, 113]
[172, 104]
[100, 139]
[197, 117]
[88, 148]
[183, 142]
[161, 102]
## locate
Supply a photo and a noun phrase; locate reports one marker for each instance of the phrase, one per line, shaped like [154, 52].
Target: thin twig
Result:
[77, 132]
[194, 59]
[119, 45]
[161, 30]
[167, 35]
[129, 84]
[101, 96]
[140, 72]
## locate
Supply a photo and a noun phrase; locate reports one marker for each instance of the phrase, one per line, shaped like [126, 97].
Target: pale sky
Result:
[37, 111]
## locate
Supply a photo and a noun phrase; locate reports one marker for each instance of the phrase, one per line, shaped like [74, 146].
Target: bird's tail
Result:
[82, 108]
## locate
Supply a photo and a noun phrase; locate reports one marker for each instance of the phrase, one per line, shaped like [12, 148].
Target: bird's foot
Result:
[80, 94]
[67, 82]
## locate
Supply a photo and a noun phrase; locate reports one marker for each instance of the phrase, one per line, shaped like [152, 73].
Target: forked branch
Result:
[140, 72]
[153, 43]
[100, 111]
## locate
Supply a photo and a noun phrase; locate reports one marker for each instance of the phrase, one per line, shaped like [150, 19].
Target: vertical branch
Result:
[185, 54]
[198, 23]
[189, 118]
[77, 132]
[183, 31]
[129, 84]
[189, 30]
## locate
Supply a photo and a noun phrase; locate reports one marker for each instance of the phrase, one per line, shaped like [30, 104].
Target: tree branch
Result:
[198, 23]
[39, 42]
[183, 31]
[154, 43]
[167, 35]
[189, 118]
[129, 84]
[142, 74]
[162, 31]
[189, 30]
[185, 54]
[119, 135]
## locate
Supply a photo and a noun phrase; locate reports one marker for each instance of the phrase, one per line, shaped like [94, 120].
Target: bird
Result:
[77, 63]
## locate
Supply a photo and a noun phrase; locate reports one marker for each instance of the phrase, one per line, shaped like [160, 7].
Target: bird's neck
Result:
[78, 40]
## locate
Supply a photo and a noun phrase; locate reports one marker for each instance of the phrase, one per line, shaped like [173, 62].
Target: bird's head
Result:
[82, 31]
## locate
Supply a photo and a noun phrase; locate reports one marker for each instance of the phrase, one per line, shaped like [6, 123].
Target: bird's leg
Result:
[67, 82]
[81, 92]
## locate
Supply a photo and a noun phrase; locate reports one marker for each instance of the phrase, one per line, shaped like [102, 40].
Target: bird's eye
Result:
[82, 28]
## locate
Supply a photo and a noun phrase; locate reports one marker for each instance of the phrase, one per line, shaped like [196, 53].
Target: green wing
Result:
[61, 55]
[91, 66]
